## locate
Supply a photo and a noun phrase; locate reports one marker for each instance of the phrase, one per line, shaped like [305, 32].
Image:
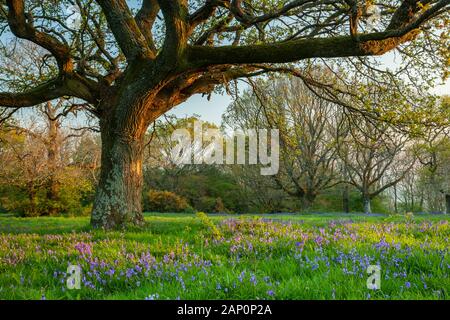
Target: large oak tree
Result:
[133, 61]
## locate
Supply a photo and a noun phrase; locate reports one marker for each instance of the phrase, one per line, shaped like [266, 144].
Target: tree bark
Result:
[118, 200]
[447, 203]
[53, 153]
[307, 200]
[345, 199]
[32, 210]
[367, 205]
[395, 199]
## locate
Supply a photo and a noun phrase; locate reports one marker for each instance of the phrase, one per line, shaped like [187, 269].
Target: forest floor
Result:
[182, 256]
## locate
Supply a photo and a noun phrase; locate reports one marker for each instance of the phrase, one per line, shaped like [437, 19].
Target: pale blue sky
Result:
[210, 111]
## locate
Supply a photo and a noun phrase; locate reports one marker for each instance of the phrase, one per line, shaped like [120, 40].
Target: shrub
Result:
[219, 206]
[205, 204]
[165, 201]
[209, 225]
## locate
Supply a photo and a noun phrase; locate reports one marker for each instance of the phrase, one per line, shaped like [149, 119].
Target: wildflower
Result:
[270, 293]
[83, 248]
[110, 272]
[152, 297]
[382, 245]
[407, 285]
[318, 240]
[253, 280]
[241, 276]
[130, 272]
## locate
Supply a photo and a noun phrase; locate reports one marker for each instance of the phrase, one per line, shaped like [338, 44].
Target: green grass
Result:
[304, 256]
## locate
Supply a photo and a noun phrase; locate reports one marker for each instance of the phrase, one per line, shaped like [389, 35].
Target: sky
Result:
[210, 111]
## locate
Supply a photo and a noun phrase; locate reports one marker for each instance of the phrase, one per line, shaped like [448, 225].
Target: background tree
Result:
[37, 158]
[374, 157]
[434, 174]
[204, 186]
[23, 168]
[307, 126]
[131, 68]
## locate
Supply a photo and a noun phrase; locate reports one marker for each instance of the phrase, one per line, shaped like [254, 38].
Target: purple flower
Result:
[84, 248]
[318, 240]
[407, 285]
[241, 276]
[110, 272]
[253, 280]
[382, 245]
[130, 272]
[270, 293]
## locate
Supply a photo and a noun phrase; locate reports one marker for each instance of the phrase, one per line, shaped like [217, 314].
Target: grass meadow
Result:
[182, 256]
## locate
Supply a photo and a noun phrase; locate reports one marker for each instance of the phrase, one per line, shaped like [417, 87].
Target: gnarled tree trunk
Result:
[118, 199]
[119, 192]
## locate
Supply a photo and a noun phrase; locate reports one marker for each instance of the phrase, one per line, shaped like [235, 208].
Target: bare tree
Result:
[132, 68]
[434, 174]
[23, 165]
[308, 126]
[375, 157]
[40, 158]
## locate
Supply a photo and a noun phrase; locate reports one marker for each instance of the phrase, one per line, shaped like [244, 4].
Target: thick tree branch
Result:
[53, 89]
[145, 19]
[43, 93]
[176, 16]
[333, 47]
[294, 50]
[125, 29]
[22, 27]
[205, 12]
